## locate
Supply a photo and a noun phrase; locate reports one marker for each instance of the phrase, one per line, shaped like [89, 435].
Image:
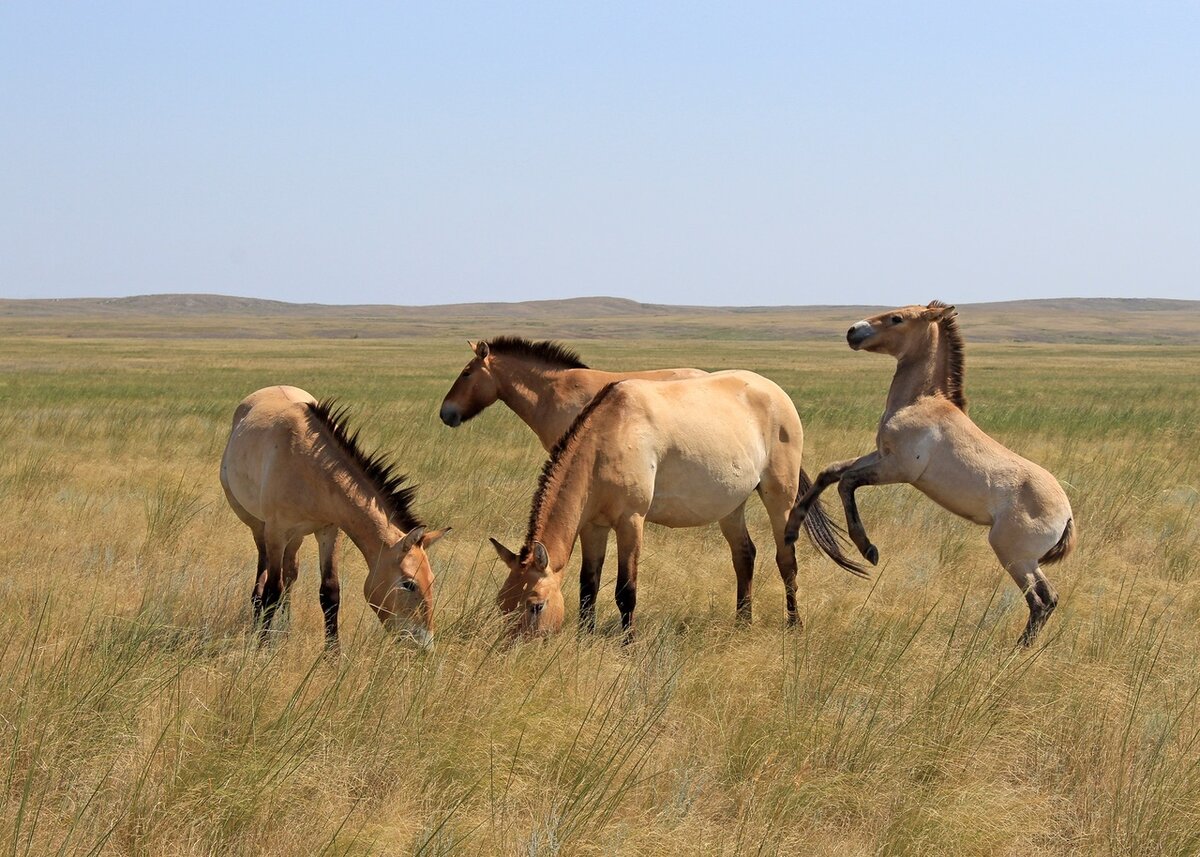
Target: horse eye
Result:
[408, 585]
[896, 319]
[465, 373]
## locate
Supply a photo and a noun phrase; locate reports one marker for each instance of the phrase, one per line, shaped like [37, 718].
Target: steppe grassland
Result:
[138, 717]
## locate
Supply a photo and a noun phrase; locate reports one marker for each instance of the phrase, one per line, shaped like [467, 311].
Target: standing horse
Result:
[291, 468]
[544, 383]
[547, 386]
[678, 453]
[926, 439]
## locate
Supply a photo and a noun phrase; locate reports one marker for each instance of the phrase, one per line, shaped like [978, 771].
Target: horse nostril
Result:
[450, 416]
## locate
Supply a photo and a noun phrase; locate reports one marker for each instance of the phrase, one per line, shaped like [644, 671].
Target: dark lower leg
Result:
[592, 541]
[854, 524]
[1038, 613]
[743, 566]
[589, 586]
[804, 502]
[785, 558]
[330, 595]
[260, 581]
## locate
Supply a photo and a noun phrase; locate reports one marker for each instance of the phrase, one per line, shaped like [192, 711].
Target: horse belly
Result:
[965, 497]
[692, 493]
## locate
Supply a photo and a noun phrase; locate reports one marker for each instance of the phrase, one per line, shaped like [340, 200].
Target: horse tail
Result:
[1066, 544]
[824, 533]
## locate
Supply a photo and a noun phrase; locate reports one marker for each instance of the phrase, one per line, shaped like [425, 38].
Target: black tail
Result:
[825, 535]
[1065, 545]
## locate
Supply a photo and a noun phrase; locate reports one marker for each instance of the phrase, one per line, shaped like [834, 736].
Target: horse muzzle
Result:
[859, 334]
[451, 415]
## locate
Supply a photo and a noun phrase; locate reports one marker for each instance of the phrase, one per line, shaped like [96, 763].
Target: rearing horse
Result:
[548, 386]
[926, 439]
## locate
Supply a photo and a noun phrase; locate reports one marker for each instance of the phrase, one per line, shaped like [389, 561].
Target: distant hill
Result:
[202, 316]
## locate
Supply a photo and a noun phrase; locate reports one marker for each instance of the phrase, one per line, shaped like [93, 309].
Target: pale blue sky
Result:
[689, 152]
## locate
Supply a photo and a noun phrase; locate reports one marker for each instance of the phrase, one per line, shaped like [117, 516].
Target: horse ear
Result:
[471, 344]
[410, 540]
[937, 313]
[508, 557]
[541, 558]
[481, 349]
[429, 538]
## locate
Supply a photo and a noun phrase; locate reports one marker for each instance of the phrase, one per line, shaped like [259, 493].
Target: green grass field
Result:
[139, 717]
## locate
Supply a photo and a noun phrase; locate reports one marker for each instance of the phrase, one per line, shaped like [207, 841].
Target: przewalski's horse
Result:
[678, 453]
[292, 467]
[544, 383]
[547, 386]
[926, 439]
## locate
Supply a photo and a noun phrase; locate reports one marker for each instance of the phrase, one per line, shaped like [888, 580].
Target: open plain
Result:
[139, 717]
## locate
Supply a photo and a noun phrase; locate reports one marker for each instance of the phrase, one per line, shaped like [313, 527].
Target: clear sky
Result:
[687, 152]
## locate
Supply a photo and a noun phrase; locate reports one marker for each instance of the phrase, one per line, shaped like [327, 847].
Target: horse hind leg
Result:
[1040, 595]
[742, 550]
[281, 564]
[777, 499]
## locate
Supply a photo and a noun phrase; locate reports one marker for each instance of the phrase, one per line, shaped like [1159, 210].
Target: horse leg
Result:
[330, 592]
[825, 478]
[777, 500]
[1040, 596]
[875, 469]
[272, 580]
[733, 527]
[629, 546]
[260, 576]
[593, 541]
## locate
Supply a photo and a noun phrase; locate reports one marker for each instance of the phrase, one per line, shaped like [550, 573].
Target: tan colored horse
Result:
[547, 386]
[544, 383]
[926, 439]
[678, 453]
[291, 468]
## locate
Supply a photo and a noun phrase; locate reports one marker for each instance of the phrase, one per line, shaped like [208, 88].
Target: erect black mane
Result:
[550, 468]
[548, 351]
[379, 468]
[956, 359]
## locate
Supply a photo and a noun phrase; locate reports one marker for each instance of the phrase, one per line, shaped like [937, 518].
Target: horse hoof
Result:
[871, 554]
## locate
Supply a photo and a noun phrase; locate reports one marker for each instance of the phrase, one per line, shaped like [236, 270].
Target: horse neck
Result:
[923, 370]
[561, 512]
[531, 390]
[356, 509]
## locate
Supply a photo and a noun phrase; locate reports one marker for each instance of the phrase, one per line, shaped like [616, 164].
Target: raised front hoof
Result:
[871, 554]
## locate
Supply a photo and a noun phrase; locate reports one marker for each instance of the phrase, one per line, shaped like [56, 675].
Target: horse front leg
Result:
[832, 473]
[875, 469]
[330, 592]
[593, 542]
[629, 547]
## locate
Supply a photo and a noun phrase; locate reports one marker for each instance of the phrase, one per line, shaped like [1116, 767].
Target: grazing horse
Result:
[678, 453]
[292, 467]
[926, 439]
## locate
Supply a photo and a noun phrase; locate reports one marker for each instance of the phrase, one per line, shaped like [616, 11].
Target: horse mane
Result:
[554, 353]
[552, 469]
[379, 468]
[956, 359]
